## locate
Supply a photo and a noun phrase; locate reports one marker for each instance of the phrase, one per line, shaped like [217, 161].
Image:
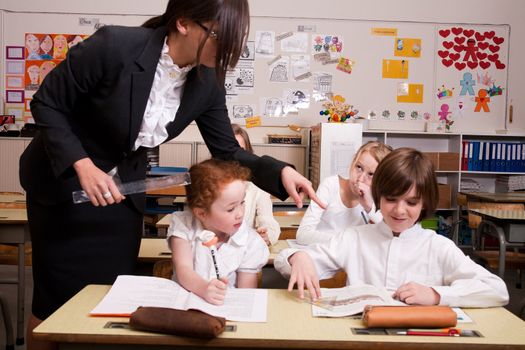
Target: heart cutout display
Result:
[444, 32]
[484, 64]
[443, 54]
[499, 65]
[460, 65]
[472, 64]
[477, 51]
[457, 30]
[498, 40]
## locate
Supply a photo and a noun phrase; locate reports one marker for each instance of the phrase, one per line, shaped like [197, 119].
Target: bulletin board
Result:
[392, 75]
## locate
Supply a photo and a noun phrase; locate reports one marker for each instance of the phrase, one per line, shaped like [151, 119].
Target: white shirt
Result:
[163, 102]
[259, 212]
[245, 251]
[319, 225]
[371, 254]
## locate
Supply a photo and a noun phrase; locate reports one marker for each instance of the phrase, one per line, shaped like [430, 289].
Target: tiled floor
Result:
[271, 279]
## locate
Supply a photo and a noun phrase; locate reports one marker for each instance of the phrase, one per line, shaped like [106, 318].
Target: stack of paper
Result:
[506, 183]
[470, 185]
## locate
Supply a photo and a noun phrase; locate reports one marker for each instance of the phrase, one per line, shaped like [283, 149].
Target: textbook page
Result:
[351, 300]
[129, 292]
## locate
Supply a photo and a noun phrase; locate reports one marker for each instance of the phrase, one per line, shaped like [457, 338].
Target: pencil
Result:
[364, 217]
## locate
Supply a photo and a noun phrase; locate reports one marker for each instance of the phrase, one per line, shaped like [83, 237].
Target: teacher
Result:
[117, 94]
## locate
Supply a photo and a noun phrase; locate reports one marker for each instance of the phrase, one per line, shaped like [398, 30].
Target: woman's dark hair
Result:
[401, 170]
[233, 24]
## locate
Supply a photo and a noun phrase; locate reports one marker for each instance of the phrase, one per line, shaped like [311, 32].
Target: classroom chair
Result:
[6, 315]
[289, 232]
[490, 258]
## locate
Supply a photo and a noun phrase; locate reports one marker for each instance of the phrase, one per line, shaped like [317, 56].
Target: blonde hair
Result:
[378, 151]
[237, 130]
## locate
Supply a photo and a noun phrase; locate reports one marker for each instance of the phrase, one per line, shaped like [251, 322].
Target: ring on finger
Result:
[106, 195]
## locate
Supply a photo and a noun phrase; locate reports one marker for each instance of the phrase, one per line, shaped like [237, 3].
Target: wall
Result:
[446, 11]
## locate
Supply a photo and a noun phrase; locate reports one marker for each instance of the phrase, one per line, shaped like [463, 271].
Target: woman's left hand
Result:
[297, 186]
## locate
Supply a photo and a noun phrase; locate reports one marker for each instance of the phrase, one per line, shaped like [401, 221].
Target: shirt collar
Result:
[166, 62]
[412, 232]
[239, 238]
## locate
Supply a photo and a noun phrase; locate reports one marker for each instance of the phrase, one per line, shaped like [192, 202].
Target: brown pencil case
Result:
[409, 316]
[189, 323]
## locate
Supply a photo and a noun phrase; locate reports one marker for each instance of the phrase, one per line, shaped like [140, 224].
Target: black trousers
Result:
[78, 244]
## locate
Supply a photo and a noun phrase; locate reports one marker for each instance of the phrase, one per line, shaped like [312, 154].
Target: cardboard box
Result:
[448, 161]
[433, 156]
[445, 198]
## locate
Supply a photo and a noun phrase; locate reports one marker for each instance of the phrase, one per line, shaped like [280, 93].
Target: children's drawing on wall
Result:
[241, 78]
[466, 47]
[265, 42]
[301, 68]
[272, 107]
[467, 85]
[322, 85]
[297, 42]
[345, 65]
[33, 76]
[242, 111]
[409, 93]
[46, 45]
[407, 47]
[295, 100]
[482, 101]
[395, 69]
[248, 52]
[229, 84]
[32, 47]
[279, 69]
[331, 44]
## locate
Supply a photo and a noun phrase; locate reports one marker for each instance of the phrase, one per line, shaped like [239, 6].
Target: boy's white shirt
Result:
[259, 211]
[319, 225]
[370, 254]
[245, 251]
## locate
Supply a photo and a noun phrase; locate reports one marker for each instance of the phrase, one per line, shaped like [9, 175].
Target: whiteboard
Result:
[366, 88]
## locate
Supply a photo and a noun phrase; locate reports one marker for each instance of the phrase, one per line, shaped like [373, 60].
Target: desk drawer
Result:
[515, 233]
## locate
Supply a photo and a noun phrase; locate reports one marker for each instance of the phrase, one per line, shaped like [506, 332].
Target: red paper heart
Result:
[459, 39]
[454, 56]
[448, 44]
[498, 40]
[479, 36]
[457, 30]
[443, 53]
[484, 64]
[459, 65]
[489, 35]
[447, 63]
[493, 58]
[444, 32]
[500, 65]
[481, 55]
[458, 48]
[493, 48]
[472, 64]
[483, 46]
[468, 33]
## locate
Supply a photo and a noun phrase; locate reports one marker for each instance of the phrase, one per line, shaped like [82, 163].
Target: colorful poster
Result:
[406, 47]
[395, 69]
[410, 93]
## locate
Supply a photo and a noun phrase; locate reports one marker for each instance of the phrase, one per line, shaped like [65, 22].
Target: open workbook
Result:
[129, 292]
[350, 300]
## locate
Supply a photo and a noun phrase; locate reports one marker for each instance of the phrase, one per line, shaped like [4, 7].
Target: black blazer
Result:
[92, 105]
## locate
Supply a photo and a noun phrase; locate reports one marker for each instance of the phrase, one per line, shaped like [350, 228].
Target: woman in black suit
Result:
[118, 93]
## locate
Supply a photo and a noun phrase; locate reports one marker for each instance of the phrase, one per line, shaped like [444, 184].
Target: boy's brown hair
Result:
[209, 177]
[402, 169]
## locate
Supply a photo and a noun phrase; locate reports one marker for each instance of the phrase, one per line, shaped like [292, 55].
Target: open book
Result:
[129, 292]
[350, 300]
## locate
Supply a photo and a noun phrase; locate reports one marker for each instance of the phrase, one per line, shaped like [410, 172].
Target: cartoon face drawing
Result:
[242, 111]
[228, 84]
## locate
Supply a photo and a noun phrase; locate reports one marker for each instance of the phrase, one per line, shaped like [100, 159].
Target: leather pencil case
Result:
[409, 316]
[189, 323]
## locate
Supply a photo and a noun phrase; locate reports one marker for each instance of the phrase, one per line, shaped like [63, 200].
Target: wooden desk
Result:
[13, 201]
[508, 226]
[509, 197]
[154, 249]
[14, 230]
[290, 325]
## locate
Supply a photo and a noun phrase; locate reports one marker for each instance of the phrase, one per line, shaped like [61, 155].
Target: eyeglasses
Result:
[212, 33]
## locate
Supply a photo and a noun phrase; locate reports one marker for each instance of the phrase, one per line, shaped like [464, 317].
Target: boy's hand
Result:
[304, 274]
[415, 293]
[216, 291]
